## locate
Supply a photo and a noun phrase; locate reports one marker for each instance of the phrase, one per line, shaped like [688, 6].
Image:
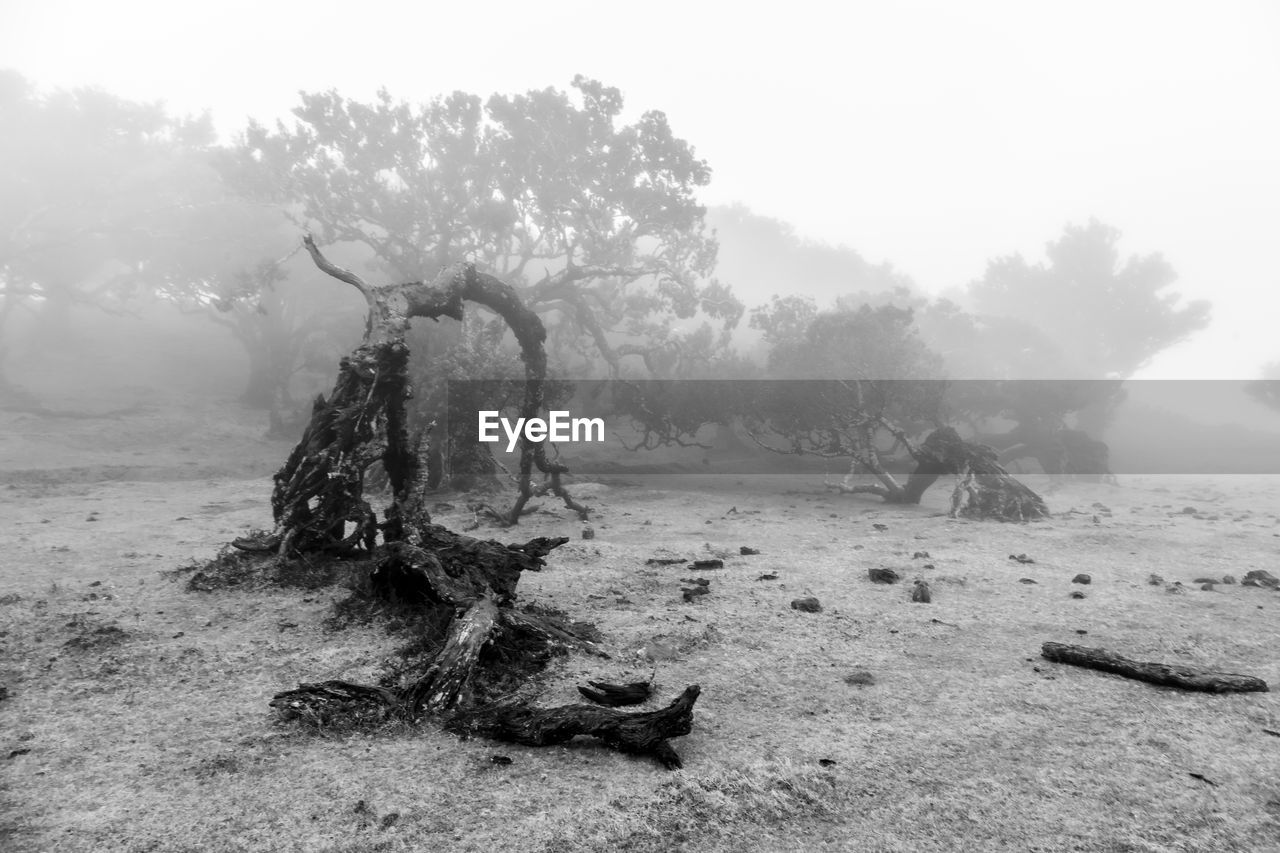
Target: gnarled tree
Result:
[469, 584]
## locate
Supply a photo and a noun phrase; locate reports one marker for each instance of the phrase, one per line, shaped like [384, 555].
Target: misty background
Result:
[1083, 193]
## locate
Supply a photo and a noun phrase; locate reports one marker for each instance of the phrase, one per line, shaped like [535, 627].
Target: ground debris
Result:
[1165, 675]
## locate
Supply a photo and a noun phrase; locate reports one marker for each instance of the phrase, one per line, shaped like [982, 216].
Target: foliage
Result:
[594, 221]
[868, 375]
[90, 186]
[1108, 319]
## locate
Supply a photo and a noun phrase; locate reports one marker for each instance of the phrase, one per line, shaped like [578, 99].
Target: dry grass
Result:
[137, 716]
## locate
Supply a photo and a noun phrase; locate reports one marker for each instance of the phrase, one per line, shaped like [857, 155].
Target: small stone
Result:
[883, 575]
[1206, 587]
[1228, 579]
[1077, 594]
[880, 527]
[921, 593]
[1155, 580]
[920, 555]
[860, 677]
[1082, 578]
[1189, 510]
[1021, 558]
[588, 533]
[1205, 580]
[807, 605]
[748, 552]
[1026, 580]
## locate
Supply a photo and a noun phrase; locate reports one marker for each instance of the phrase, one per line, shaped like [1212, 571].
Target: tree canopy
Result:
[591, 219]
[1108, 318]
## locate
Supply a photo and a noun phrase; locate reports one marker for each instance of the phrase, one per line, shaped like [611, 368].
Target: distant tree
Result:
[861, 384]
[90, 185]
[1106, 318]
[764, 257]
[1109, 318]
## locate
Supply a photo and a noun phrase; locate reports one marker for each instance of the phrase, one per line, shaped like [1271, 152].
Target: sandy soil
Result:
[136, 714]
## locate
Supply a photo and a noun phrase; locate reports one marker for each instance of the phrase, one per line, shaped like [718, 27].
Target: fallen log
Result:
[1163, 674]
[645, 733]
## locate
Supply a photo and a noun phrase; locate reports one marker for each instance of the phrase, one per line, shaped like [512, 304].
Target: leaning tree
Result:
[861, 385]
[465, 587]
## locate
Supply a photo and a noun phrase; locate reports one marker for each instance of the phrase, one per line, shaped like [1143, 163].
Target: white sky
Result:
[931, 135]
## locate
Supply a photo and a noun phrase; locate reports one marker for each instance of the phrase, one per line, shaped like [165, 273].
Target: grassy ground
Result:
[136, 716]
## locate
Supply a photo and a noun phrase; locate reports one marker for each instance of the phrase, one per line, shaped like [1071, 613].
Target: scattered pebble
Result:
[1077, 594]
[860, 677]
[1021, 558]
[921, 593]
[1082, 578]
[883, 575]
[807, 605]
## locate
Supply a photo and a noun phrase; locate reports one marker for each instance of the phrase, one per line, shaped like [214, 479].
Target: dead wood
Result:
[1165, 675]
[487, 646]
[643, 733]
[614, 695]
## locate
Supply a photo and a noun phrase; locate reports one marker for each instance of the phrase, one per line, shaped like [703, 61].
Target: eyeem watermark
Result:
[559, 427]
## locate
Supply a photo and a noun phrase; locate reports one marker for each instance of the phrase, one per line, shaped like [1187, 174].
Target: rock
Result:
[1228, 579]
[920, 555]
[1174, 588]
[588, 533]
[883, 575]
[768, 576]
[704, 565]
[860, 677]
[807, 605]
[1026, 580]
[747, 552]
[692, 593]
[1205, 580]
[1082, 578]
[1077, 594]
[1206, 587]
[1155, 580]
[1189, 510]
[880, 527]
[921, 594]
[1261, 577]
[1021, 558]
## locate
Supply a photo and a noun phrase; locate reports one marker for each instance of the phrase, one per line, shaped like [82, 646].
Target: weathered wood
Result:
[1166, 675]
[445, 685]
[643, 733]
[615, 695]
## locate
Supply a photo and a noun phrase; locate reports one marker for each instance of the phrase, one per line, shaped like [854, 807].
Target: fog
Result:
[901, 155]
